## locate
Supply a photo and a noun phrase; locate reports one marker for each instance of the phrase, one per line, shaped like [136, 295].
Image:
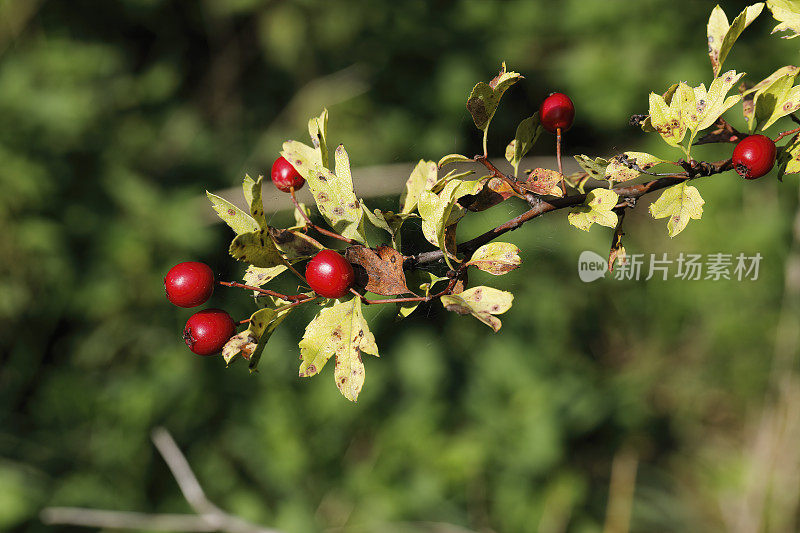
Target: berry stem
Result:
[558, 158]
[786, 134]
[314, 226]
[428, 298]
[288, 297]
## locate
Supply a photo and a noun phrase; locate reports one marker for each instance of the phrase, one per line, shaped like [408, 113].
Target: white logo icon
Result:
[591, 266]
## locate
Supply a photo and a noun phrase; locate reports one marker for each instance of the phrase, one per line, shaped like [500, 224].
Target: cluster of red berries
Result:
[191, 283]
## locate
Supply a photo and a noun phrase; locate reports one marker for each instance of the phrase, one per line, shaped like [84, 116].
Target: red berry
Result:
[329, 274]
[207, 331]
[284, 176]
[189, 284]
[557, 111]
[754, 156]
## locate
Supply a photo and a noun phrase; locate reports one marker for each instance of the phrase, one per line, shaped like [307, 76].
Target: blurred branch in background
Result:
[209, 516]
[620, 491]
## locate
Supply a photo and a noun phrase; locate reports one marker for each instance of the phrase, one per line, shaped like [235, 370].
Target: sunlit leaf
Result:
[238, 220]
[598, 209]
[481, 302]
[788, 159]
[496, 258]
[453, 158]
[619, 168]
[722, 35]
[423, 177]
[680, 203]
[256, 248]
[787, 12]
[596, 168]
[333, 192]
[318, 130]
[258, 276]
[339, 331]
[544, 181]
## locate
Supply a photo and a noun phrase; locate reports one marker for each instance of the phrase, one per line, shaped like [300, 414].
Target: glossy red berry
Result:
[207, 331]
[754, 156]
[557, 111]
[329, 274]
[189, 284]
[284, 176]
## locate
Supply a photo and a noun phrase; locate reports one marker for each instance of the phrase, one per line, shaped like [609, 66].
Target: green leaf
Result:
[388, 221]
[438, 211]
[771, 95]
[721, 35]
[333, 192]
[787, 12]
[618, 170]
[596, 168]
[238, 220]
[453, 158]
[496, 258]
[451, 176]
[713, 103]
[258, 276]
[528, 132]
[256, 204]
[247, 189]
[423, 177]
[666, 120]
[339, 330]
[318, 130]
[680, 203]
[263, 324]
[256, 248]
[598, 209]
[485, 97]
[788, 159]
[481, 302]
[250, 343]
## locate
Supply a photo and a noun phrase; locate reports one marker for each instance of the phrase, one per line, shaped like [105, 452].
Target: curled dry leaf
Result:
[383, 269]
[493, 192]
[243, 344]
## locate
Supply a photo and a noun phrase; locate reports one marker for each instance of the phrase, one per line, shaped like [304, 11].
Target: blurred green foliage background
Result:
[116, 116]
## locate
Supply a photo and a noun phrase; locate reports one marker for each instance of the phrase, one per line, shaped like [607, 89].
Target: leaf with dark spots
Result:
[544, 181]
[485, 97]
[383, 269]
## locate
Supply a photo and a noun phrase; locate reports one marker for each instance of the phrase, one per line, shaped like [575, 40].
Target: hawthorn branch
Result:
[694, 169]
[267, 292]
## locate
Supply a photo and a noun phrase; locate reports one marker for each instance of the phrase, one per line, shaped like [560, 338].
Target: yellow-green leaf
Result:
[258, 276]
[528, 132]
[713, 103]
[722, 35]
[318, 130]
[496, 258]
[787, 12]
[453, 158]
[333, 192]
[680, 203]
[789, 158]
[339, 331]
[256, 248]
[619, 168]
[598, 209]
[438, 211]
[481, 302]
[238, 220]
[243, 343]
[666, 120]
[263, 324]
[595, 168]
[423, 178]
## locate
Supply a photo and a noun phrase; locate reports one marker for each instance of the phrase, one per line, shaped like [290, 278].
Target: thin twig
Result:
[696, 170]
[79, 516]
[786, 134]
[267, 292]
[428, 298]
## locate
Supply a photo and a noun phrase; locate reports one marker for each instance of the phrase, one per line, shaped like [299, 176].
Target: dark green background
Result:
[116, 116]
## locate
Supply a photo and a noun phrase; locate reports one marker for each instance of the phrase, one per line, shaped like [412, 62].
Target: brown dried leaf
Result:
[544, 181]
[382, 268]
